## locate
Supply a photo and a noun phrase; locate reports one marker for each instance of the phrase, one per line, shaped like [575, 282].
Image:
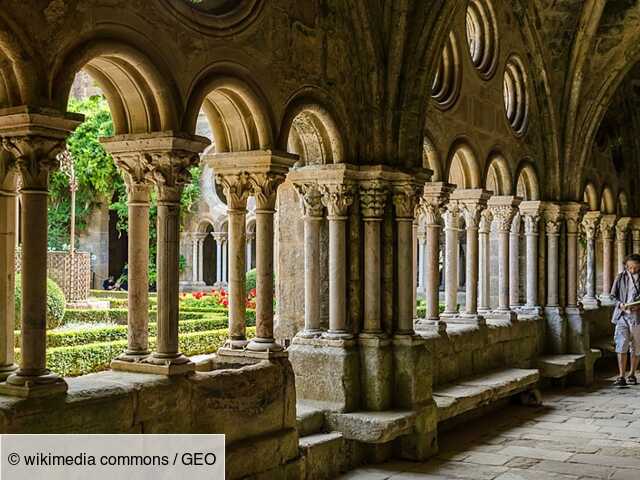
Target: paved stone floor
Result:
[576, 434]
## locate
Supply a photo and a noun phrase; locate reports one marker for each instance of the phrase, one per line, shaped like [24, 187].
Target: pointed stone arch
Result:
[527, 185]
[498, 177]
[590, 196]
[462, 167]
[607, 201]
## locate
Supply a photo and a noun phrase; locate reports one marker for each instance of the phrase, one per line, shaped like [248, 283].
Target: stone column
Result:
[8, 215]
[472, 202]
[422, 242]
[237, 189]
[554, 314]
[635, 235]
[590, 225]
[170, 158]
[607, 224]
[201, 238]
[503, 209]
[622, 227]
[373, 195]
[250, 238]
[219, 237]
[484, 262]
[34, 141]
[404, 201]
[194, 258]
[135, 168]
[435, 196]
[311, 200]
[514, 262]
[265, 187]
[337, 198]
[226, 263]
[452, 250]
[530, 212]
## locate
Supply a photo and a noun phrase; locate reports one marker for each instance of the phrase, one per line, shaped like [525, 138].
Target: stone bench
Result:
[468, 394]
[605, 344]
[559, 366]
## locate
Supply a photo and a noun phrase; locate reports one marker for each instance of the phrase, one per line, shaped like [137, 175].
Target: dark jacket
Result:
[619, 292]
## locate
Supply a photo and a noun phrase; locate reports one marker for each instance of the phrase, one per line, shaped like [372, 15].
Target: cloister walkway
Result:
[576, 434]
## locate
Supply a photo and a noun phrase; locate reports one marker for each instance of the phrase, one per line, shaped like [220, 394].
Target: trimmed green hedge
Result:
[56, 303]
[80, 360]
[115, 315]
[78, 337]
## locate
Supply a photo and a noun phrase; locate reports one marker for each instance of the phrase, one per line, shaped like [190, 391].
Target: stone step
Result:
[309, 420]
[467, 394]
[323, 454]
[559, 366]
[373, 427]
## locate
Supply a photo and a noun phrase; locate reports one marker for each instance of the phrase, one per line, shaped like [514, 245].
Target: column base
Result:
[158, 365]
[447, 315]
[424, 324]
[469, 319]
[531, 310]
[126, 361]
[26, 386]
[236, 343]
[311, 333]
[232, 355]
[509, 315]
[337, 335]
[376, 367]
[7, 370]
[590, 302]
[260, 344]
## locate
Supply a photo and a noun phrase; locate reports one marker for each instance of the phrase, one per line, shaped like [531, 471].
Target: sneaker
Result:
[631, 380]
[620, 382]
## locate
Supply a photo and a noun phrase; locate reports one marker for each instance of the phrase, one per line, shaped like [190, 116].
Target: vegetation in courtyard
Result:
[56, 303]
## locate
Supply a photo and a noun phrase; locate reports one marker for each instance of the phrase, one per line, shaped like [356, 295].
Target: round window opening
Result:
[214, 7]
[446, 82]
[516, 99]
[482, 37]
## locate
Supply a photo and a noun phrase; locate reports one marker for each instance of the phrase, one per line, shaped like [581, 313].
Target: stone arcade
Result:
[477, 155]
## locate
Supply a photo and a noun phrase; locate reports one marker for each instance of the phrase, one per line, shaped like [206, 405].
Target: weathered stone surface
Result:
[373, 427]
[309, 420]
[558, 366]
[323, 454]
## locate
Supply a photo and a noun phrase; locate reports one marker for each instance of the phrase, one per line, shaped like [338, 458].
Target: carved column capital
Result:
[405, 199]
[503, 217]
[451, 216]
[136, 171]
[35, 157]
[622, 227]
[590, 224]
[607, 226]
[431, 212]
[170, 172]
[264, 187]
[531, 222]
[472, 212]
[237, 188]
[486, 219]
[219, 237]
[310, 198]
[337, 197]
[373, 198]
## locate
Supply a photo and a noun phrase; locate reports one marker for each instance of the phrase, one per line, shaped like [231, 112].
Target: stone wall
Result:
[95, 240]
[467, 350]
[254, 406]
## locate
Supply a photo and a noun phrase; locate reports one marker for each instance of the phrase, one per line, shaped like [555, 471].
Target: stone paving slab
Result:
[577, 434]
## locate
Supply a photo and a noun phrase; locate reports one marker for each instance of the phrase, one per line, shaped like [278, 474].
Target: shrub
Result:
[250, 280]
[80, 360]
[56, 303]
[115, 315]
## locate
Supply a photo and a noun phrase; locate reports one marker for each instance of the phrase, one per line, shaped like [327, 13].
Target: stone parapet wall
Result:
[254, 406]
[467, 350]
[599, 319]
[72, 273]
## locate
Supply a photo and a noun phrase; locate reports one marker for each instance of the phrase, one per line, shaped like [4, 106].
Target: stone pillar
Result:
[194, 258]
[135, 168]
[503, 209]
[484, 262]
[554, 314]
[622, 227]
[590, 224]
[8, 215]
[311, 200]
[422, 243]
[219, 238]
[452, 250]
[635, 235]
[607, 224]
[33, 141]
[530, 212]
[170, 159]
[435, 196]
[373, 195]
[265, 187]
[404, 201]
[250, 238]
[201, 238]
[226, 263]
[237, 188]
[472, 202]
[337, 198]
[514, 262]
[577, 326]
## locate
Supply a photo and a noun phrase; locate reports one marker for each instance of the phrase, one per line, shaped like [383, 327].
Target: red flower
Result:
[225, 303]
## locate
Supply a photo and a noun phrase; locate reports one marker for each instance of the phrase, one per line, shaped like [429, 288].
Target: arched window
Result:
[446, 82]
[482, 37]
[516, 98]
